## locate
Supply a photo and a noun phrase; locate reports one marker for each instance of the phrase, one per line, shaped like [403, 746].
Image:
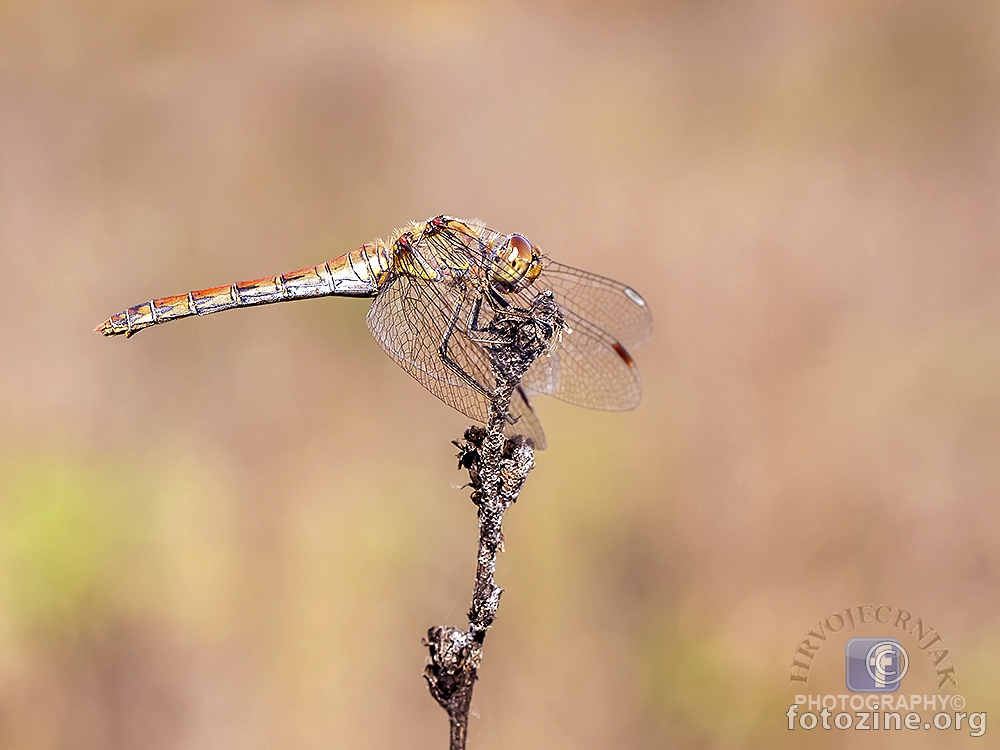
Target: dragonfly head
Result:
[517, 263]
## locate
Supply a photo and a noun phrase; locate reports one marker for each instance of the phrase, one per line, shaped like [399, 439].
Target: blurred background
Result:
[233, 533]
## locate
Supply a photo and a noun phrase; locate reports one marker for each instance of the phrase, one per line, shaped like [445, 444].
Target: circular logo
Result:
[887, 662]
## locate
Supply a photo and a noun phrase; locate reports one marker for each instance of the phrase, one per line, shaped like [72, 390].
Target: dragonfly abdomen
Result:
[359, 273]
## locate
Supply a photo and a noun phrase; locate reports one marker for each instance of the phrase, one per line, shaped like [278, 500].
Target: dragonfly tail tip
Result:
[106, 328]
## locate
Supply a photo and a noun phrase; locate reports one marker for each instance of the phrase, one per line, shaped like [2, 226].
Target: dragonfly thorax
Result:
[516, 264]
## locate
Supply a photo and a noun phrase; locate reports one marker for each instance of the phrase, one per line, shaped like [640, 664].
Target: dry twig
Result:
[498, 468]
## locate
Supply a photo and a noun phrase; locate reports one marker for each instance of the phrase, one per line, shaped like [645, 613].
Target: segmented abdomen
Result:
[359, 273]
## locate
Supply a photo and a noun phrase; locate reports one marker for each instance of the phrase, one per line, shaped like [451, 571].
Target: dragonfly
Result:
[435, 284]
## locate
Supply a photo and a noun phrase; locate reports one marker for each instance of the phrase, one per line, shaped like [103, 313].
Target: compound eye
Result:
[519, 253]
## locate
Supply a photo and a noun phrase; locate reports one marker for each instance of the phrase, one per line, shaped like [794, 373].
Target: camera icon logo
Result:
[875, 665]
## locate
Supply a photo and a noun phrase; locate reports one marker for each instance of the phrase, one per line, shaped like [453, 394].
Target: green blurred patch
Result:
[67, 538]
[977, 662]
[698, 684]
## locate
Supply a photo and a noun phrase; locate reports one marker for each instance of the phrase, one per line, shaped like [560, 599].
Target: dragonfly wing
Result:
[410, 319]
[525, 420]
[613, 307]
[587, 367]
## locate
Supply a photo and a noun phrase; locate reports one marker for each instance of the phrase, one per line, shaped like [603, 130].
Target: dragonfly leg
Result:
[451, 363]
[499, 304]
[483, 334]
[473, 327]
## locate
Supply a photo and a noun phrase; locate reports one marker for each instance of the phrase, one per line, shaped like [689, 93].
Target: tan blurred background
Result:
[232, 533]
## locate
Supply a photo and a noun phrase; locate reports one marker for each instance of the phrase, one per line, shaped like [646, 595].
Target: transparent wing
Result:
[525, 420]
[410, 319]
[613, 307]
[587, 367]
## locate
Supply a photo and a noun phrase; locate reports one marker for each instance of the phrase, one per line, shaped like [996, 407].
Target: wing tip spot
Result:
[625, 356]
